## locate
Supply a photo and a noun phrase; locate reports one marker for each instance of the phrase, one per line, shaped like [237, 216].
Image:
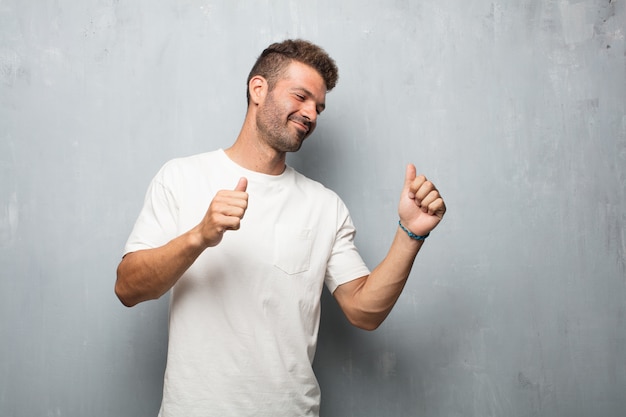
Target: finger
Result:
[437, 208]
[225, 199]
[235, 223]
[427, 201]
[424, 190]
[228, 220]
[233, 210]
[242, 184]
[228, 223]
[226, 210]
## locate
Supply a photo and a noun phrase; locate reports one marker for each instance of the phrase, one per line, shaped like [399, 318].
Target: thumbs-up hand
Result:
[225, 213]
[242, 185]
[421, 207]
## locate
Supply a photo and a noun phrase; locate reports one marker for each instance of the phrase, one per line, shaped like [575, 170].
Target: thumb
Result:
[410, 175]
[242, 184]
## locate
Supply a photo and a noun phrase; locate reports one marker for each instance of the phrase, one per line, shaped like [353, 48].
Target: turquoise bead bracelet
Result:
[411, 234]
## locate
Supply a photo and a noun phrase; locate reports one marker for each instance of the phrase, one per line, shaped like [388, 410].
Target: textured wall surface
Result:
[515, 109]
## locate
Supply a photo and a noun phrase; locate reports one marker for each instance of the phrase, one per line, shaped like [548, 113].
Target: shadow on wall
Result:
[360, 371]
[144, 350]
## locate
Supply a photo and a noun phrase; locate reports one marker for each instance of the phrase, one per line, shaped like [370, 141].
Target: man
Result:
[246, 244]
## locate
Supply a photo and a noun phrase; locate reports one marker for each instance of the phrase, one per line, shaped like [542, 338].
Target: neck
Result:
[253, 154]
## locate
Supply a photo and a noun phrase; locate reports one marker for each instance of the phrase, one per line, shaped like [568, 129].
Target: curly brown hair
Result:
[275, 59]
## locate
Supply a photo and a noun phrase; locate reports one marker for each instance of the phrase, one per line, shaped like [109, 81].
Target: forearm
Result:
[373, 297]
[148, 274]
[386, 281]
[367, 301]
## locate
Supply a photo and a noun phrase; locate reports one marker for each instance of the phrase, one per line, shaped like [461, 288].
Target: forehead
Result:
[299, 75]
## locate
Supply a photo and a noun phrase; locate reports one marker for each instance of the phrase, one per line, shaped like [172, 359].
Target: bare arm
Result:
[148, 274]
[367, 301]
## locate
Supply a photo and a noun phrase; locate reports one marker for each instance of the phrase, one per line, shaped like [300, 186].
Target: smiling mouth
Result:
[303, 124]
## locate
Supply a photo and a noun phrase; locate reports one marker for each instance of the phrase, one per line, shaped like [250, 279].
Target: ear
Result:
[257, 87]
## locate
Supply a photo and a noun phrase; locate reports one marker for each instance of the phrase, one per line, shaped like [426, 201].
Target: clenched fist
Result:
[421, 207]
[225, 213]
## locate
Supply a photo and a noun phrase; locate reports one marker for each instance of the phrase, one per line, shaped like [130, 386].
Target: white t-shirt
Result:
[244, 318]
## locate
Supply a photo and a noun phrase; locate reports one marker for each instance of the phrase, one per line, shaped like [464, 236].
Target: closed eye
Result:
[303, 95]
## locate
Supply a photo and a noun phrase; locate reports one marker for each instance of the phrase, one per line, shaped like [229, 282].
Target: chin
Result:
[293, 145]
[294, 148]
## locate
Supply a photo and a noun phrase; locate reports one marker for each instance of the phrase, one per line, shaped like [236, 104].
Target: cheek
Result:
[290, 108]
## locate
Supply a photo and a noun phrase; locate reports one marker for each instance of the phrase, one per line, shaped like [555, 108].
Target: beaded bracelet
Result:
[411, 234]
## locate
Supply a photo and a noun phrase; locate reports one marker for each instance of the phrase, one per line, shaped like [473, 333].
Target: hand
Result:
[225, 213]
[421, 207]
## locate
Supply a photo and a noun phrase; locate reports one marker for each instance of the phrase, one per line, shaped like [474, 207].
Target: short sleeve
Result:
[345, 263]
[157, 223]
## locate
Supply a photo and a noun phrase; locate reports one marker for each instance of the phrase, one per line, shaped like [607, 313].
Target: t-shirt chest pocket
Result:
[292, 248]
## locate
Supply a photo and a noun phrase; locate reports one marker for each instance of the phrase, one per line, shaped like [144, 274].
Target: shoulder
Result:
[319, 195]
[312, 186]
[192, 165]
[193, 161]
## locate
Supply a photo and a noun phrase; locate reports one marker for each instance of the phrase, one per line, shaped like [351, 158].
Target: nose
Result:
[309, 112]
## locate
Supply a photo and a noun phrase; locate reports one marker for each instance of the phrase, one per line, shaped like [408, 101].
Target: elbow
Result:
[129, 295]
[122, 291]
[366, 322]
[370, 327]
[123, 297]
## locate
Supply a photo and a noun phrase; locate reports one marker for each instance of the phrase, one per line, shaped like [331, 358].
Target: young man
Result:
[246, 244]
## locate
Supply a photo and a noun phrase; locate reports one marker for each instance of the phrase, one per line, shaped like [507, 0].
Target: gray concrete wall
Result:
[516, 109]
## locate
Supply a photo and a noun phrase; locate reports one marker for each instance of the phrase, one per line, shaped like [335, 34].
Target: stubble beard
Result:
[274, 130]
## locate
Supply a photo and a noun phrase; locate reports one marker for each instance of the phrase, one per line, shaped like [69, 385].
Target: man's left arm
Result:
[366, 301]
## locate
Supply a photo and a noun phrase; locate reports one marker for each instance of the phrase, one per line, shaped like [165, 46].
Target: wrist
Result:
[196, 240]
[412, 235]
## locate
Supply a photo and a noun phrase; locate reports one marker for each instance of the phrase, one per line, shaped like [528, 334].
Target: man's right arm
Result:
[148, 274]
